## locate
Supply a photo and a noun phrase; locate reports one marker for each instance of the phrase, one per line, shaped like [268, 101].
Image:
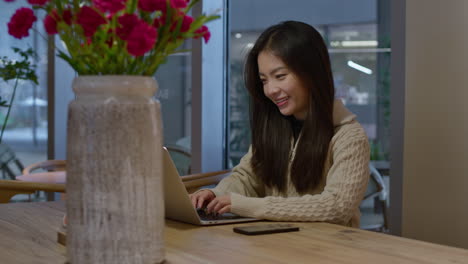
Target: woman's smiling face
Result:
[282, 86]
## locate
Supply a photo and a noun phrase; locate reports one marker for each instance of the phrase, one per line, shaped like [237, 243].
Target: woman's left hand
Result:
[220, 205]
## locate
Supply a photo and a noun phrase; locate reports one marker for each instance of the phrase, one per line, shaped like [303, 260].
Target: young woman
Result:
[309, 158]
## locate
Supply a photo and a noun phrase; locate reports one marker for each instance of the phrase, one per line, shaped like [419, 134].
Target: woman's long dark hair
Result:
[304, 52]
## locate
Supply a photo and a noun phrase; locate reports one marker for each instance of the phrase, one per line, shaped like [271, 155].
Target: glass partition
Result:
[26, 132]
[359, 54]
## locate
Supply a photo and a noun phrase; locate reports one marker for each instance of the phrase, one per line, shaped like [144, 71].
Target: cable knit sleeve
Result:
[345, 186]
[242, 180]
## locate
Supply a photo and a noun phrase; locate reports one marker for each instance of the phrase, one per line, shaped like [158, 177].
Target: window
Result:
[357, 35]
[359, 52]
[26, 133]
[174, 93]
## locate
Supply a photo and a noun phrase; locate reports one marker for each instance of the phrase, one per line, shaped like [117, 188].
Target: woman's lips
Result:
[282, 102]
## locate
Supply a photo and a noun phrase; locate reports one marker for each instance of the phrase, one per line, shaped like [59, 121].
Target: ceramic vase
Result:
[115, 200]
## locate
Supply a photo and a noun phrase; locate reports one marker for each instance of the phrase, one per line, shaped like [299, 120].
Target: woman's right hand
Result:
[201, 198]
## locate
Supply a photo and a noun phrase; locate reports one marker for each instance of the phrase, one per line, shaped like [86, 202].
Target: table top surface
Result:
[28, 234]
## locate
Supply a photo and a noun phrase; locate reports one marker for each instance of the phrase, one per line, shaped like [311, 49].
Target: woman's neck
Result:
[296, 126]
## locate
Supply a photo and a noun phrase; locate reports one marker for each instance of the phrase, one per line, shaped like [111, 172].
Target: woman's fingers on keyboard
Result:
[219, 203]
[225, 209]
[200, 202]
[211, 205]
[193, 199]
[199, 199]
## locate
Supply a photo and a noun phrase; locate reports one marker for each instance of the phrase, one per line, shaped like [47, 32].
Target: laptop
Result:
[179, 206]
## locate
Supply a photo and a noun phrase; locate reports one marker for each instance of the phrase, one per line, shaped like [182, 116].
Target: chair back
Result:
[47, 165]
[181, 158]
[47, 176]
[10, 188]
[9, 162]
[377, 191]
[376, 185]
[196, 181]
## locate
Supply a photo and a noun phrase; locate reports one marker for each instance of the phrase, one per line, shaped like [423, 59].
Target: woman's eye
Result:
[280, 76]
[263, 81]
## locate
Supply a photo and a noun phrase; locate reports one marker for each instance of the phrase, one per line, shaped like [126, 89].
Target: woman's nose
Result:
[270, 89]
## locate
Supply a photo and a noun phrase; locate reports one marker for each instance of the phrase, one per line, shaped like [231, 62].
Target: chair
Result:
[182, 159]
[377, 191]
[10, 188]
[48, 181]
[47, 176]
[7, 159]
[196, 181]
[47, 165]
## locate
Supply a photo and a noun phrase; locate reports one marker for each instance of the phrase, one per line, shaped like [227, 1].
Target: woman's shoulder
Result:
[350, 131]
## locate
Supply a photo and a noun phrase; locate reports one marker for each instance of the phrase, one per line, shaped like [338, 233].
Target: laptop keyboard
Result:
[205, 216]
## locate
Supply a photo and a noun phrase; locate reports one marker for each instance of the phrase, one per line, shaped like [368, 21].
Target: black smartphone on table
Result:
[265, 229]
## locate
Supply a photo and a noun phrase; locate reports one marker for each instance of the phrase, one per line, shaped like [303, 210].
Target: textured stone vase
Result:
[115, 200]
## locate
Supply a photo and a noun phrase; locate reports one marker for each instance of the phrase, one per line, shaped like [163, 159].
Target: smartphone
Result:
[265, 229]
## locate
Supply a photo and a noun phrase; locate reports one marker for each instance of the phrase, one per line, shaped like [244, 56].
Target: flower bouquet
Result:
[115, 37]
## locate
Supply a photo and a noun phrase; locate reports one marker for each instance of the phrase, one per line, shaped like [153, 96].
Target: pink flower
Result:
[188, 20]
[141, 39]
[37, 2]
[90, 20]
[204, 32]
[51, 20]
[127, 22]
[112, 6]
[152, 5]
[21, 22]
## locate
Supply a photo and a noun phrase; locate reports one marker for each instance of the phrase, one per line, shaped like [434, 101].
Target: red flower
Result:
[90, 20]
[67, 16]
[50, 21]
[179, 3]
[127, 22]
[141, 39]
[37, 2]
[152, 5]
[161, 5]
[204, 32]
[159, 21]
[112, 6]
[188, 20]
[21, 22]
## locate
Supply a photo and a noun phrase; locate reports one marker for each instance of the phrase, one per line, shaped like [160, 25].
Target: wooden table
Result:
[28, 233]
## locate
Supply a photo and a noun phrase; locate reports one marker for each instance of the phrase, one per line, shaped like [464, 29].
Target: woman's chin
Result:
[285, 112]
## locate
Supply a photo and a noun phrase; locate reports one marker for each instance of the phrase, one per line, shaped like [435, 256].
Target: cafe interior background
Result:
[392, 80]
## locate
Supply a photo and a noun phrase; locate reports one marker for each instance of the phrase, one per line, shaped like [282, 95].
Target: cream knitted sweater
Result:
[335, 200]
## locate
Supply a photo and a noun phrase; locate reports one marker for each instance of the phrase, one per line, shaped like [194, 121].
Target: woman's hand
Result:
[199, 199]
[220, 205]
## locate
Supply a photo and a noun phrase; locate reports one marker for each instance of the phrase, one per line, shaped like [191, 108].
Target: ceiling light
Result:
[359, 67]
[359, 43]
